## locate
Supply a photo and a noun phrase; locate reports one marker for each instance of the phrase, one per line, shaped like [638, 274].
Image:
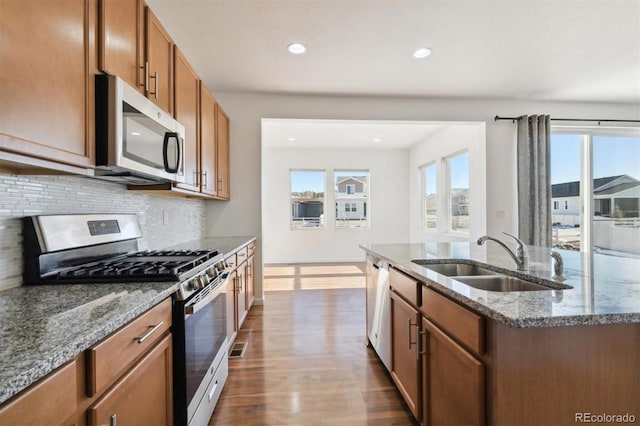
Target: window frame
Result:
[447, 164]
[322, 221]
[586, 198]
[424, 198]
[350, 200]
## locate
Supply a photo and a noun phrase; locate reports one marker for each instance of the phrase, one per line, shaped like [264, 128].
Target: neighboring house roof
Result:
[346, 178]
[618, 188]
[603, 185]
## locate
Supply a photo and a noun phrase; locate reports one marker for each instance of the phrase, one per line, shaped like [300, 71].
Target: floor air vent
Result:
[238, 350]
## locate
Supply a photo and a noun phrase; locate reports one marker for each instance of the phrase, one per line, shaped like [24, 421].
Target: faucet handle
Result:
[521, 244]
[558, 266]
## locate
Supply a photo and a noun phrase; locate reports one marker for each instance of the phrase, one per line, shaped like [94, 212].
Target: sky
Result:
[612, 156]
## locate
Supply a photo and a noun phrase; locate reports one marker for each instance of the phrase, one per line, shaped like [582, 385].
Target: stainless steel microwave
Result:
[136, 142]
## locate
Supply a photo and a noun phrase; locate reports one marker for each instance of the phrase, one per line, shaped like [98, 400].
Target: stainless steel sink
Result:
[501, 283]
[486, 279]
[457, 269]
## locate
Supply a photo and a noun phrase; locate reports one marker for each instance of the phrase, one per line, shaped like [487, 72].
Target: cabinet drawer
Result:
[114, 355]
[405, 286]
[463, 325]
[232, 261]
[251, 248]
[143, 396]
[242, 255]
[50, 401]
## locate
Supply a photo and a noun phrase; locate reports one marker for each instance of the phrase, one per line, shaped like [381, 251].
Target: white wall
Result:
[452, 139]
[242, 215]
[388, 199]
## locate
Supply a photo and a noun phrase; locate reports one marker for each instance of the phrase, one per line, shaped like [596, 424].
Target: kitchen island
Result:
[556, 356]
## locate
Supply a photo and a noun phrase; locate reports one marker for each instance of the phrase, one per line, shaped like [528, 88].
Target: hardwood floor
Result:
[306, 362]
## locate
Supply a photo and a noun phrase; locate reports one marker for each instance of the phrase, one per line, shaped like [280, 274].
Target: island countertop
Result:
[44, 326]
[606, 289]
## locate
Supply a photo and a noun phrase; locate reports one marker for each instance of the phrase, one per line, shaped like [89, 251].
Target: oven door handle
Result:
[192, 309]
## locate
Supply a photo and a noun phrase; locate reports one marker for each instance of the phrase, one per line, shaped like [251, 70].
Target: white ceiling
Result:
[560, 50]
[347, 134]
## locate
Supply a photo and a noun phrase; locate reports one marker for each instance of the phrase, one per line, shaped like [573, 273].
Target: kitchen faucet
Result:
[521, 256]
[558, 266]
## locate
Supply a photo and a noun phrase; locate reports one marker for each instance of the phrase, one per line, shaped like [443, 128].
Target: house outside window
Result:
[556, 205]
[458, 191]
[307, 199]
[352, 198]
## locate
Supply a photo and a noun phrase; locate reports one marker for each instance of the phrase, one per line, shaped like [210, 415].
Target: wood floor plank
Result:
[306, 362]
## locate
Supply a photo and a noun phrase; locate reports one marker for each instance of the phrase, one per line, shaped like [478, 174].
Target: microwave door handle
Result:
[165, 152]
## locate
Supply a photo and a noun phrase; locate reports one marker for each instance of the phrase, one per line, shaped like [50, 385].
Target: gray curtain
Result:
[534, 180]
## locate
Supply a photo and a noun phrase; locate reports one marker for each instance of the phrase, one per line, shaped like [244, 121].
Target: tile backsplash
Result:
[165, 221]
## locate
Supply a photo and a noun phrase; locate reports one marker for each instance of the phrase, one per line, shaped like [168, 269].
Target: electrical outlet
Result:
[500, 214]
[165, 217]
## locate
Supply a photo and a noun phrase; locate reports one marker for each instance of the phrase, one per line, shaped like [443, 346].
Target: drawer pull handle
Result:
[213, 391]
[149, 333]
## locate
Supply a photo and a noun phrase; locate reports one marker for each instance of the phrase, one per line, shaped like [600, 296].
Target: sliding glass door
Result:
[595, 186]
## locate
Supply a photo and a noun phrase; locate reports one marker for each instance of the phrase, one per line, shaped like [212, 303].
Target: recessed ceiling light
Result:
[297, 48]
[423, 52]
[136, 133]
[291, 139]
[377, 140]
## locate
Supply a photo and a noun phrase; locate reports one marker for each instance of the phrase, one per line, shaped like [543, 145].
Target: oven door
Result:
[205, 333]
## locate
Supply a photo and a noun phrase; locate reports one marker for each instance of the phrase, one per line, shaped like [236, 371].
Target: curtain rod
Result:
[514, 119]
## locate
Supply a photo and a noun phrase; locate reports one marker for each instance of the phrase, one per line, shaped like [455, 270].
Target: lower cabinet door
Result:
[453, 381]
[405, 364]
[143, 396]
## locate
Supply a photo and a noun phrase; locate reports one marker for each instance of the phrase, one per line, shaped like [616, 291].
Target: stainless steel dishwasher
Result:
[378, 322]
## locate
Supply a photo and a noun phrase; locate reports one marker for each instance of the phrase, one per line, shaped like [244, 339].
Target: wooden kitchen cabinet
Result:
[50, 401]
[208, 165]
[452, 381]
[405, 359]
[142, 396]
[120, 42]
[158, 72]
[187, 112]
[241, 294]
[251, 282]
[222, 160]
[126, 374]
[47, 63]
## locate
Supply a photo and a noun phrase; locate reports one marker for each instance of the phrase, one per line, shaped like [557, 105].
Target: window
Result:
[429, 196]
[598, 171]
[352, 198]
[556, 205]
[458, 173]
[307, 199]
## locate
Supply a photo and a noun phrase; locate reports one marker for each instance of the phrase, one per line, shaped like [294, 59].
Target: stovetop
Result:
[141, 266]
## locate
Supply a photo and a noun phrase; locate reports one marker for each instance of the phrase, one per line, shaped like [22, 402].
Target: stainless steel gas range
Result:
[76, 249]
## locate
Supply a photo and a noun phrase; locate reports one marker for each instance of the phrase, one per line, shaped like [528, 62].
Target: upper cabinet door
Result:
[120, 41]
[186, 111]
[158, 63]
[207, 142]
[47, 62]
[222, 146]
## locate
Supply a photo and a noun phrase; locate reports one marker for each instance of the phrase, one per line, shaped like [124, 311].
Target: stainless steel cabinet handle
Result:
[204, 179]
[411, 325]
[220, 184]
[420, 348]
[213, 391]
[113, 421]
[144, 337]
[195, 178]
[155, 77]
[146, 77]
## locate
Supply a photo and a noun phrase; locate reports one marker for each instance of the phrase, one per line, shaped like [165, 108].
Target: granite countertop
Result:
[44, 326]
[606, 289]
